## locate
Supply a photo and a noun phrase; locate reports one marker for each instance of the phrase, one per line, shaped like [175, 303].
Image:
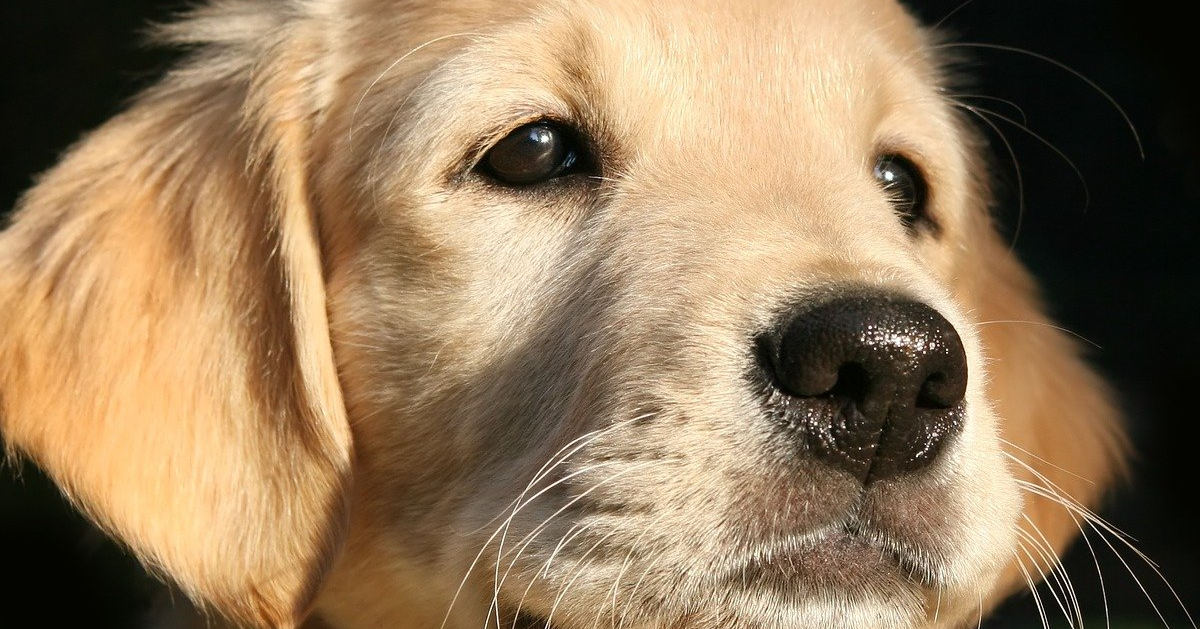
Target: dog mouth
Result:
[841, 561]
[840, 564]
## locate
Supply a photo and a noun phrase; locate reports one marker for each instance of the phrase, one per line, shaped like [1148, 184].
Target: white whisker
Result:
[637, 585]
[629, 560]
[528, 539]
[1039, 460]
[1052, 560]
[516, 505]
[1087, 193]
[387, 70]
[1020, 179]
[1066, 68]
[1032, 586]
[1057, 569]
[957, 99]
[1043, 324]
[1105, 531]
[544, 569]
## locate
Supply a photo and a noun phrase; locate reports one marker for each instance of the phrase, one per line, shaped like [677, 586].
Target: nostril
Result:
[874, 382]
[852, 382]
[938, 392]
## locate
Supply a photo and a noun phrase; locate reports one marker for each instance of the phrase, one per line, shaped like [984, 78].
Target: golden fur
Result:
[270, 331]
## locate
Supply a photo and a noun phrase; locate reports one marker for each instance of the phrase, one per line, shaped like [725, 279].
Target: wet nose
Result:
[871, 383]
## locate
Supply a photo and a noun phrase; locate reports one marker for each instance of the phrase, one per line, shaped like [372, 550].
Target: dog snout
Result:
[872, 384]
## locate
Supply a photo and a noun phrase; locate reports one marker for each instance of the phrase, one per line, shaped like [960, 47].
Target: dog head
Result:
[664, 314]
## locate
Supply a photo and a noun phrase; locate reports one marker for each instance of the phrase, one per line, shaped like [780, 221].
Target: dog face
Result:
[649, 313]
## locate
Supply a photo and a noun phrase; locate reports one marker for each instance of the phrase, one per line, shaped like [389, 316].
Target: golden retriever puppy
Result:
[605, 313]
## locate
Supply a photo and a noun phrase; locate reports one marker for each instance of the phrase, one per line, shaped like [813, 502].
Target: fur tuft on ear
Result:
[164, 348]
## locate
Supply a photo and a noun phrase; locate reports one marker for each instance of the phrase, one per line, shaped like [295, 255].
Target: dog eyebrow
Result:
[561, 84]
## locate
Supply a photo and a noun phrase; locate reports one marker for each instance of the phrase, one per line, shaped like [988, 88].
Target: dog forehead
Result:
[670, 92]
[675, 68]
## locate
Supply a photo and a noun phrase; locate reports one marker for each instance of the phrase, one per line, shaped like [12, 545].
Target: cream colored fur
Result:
[269, 329]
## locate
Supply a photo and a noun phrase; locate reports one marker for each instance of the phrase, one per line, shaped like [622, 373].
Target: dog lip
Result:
[843, 562]
[840, 560]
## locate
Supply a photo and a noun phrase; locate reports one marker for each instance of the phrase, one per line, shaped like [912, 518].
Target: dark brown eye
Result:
[532, 154]
[906, 189]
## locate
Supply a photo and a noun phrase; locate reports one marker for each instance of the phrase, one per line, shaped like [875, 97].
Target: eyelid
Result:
[921, 214]
[532, 154]
[586, 157]
[490, 138]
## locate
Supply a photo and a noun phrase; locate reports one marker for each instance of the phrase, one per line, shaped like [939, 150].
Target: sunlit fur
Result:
[270, 329]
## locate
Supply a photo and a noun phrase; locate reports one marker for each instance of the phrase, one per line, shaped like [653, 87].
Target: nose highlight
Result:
[871, 383]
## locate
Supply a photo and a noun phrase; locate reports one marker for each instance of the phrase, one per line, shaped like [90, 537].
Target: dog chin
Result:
[860, 610]
[839, 579]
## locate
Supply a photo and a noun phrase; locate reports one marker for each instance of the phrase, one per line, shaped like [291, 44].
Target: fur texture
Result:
[274, 330]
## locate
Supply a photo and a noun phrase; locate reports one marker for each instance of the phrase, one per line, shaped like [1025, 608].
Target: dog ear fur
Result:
[1059, 422]
[164, 347]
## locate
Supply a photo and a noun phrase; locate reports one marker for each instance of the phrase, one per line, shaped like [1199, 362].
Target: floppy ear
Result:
[1061, 428]
[164, 351]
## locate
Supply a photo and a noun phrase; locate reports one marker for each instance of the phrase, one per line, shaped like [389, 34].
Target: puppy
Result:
[620, 313]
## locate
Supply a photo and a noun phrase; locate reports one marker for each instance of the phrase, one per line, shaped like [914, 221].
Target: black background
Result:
[1114, 244]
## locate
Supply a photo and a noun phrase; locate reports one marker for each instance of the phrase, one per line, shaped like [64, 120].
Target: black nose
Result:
[870, 383]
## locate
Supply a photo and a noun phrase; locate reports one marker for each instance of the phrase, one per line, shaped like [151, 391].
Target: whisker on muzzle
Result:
[633, 547]
[1031, 585]
[520, 502]
[1086, 519]
[1055, 578]
[573, 532]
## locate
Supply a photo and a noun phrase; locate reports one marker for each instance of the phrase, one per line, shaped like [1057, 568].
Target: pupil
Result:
[895, 179]
[538, 146]
[530, 154]
[901, 180]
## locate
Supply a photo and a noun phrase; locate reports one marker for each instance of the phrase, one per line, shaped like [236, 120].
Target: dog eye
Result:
[533, 154]
[905, 187]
